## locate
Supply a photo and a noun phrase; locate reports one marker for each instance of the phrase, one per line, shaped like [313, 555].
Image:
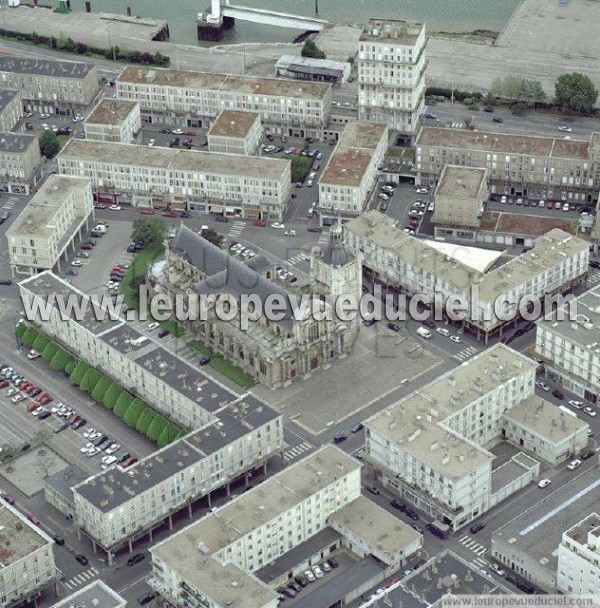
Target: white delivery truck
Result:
[424, 333]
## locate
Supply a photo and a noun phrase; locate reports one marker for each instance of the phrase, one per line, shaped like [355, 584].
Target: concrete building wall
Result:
[578, 569]
[20, 169]
[125, 131]
[12, 112]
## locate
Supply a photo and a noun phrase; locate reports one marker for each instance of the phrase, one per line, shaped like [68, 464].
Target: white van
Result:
[100, 228]
[424, 333]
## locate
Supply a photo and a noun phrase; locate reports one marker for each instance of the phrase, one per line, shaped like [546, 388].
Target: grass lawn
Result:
[136, 272]
[218, 363]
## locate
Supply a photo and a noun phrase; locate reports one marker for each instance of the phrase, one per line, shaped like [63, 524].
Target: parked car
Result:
[33, 519]
[146, 599]
[558, 394]
[310, 577]
[496, 568]
[574, 464]
[317, 571]
[136, 559]
[374, 490]
[586, 455]
[544, 483]
[477, 527]
[543, 386]
[339, 438]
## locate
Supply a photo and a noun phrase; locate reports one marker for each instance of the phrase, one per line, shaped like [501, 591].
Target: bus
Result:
[566, 410]
[439, 529]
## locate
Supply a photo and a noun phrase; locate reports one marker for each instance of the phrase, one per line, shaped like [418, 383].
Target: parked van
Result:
[424, 333]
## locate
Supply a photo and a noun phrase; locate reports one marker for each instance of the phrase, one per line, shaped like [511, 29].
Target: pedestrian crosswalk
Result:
[294, 452]
[466, 353]
[10, 202]
[81, 579]
[458, 125]
[594, 278]
[480, 562]
[297, 259]
[473, 545]
[236, 229]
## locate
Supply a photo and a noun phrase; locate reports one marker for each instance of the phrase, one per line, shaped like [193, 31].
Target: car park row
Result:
[310, 576]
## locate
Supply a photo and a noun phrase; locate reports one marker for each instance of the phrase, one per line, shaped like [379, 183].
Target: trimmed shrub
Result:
[70, 366]
[101, 387]
[157, 427]
[20, 330]
[145, 420]
[90, 380]
[123, 402]
[49, 352]
[112, 395]
[133, 413]
[40, 343]
[79, 372]
[61, 361]
[30, 335]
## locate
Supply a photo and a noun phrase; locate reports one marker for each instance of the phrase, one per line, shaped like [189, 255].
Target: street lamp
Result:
[110, 46]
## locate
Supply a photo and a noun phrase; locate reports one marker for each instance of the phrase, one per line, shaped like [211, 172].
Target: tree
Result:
[112, 395]
[145, 420]
[522, 90]
[49, 352]
[575, 92]
[49, 144]
[133, 413]
[213, 237]
[300, 166]
[147, 232]
[157, 427]
[81, 48]
[310, 49]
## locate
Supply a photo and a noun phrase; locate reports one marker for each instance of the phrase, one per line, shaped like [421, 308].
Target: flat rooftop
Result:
[111, 111]
[391, 31]
[460, 182]
[581, 531]
[37, 218]
[64, 481]
[6, 96]
[584, 329]
[233, 123]
[16, 143]
[47, 284]
[363, 135]
[375, 526]
[508, 472]
[277, 87]
[83, 150]
[46, 67]
[542, 418]
[414, 421]
[18, 537]
[95, 595]
[525, 225]
[502, 143]
[538, 531]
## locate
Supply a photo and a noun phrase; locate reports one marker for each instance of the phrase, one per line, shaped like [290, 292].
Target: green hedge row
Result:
[134, 412]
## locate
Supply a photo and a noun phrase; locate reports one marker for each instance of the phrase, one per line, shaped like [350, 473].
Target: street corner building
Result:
[274, 353]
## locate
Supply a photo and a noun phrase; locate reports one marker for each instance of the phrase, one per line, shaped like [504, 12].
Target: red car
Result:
[41, 396]
[33, 406]
[33, 519]
[190, 133]
[260, 223]
[25, 386]
[4, 384]
[169, 213]
[131, 460]
[45, 400]
[9, 498]
[147, 211]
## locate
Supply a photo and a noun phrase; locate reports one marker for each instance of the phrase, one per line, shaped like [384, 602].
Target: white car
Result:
[18, 397]
[456, 339]
[33, 354]
[422, 190]
[565, 129]
[496, 568]
[203, 227]
[443, 331]
[309, 576]
[408, 571]
[112, 449]
[88, 432]
[94, 435]
[56, 409]
[152, 326]
[574, 464]
[45, 126]
[268, 149]
[109, 462]
[416, 212]
[76, 263]
[115, 208]
[177, 131]
[378, 593]
[278, 225]
[326, 567]
[383, 196]
[317, 571]
[410, 231]
[290, 233]
[544, 483]
[542, 203]
[576, 404]
[44, 115]
[78, 119]
[503, 200]
[543, 386]
[87, 447]
[566, 207]
[93, 452]
[589, 411]
[388, 189]
[151, 142]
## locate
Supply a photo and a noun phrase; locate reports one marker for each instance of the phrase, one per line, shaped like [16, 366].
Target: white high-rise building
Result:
[391, 74]
[579, 558]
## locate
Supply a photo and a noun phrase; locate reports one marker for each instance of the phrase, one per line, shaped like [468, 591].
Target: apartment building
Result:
[556, 262]
[459, 196]
[570, 346]
[310, 68]
[351, 171]
[391, 74]
[97, 595]
[67, 88]
[579, 558]
[518, 165]
[57, 215]
[235, 132]
[248, 187]
[114, 120]
[21, 161]
[11, 109]
[544, 431]
[27, 558]
[273, 351]
[195, 99]
[429, 447]
[217, 561]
